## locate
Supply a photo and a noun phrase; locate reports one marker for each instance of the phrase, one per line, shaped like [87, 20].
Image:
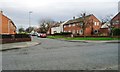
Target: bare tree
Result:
[86, 22]
[107, 18]
[29, 29]
[45, 24]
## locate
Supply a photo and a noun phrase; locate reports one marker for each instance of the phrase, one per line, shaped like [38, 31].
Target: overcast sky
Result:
[58, 10]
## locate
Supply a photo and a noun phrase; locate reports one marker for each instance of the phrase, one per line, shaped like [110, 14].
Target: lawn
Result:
[91, 38]
[82, 38]
[55, 37]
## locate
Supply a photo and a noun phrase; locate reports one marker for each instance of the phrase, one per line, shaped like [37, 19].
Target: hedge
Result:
[15, 36]
[63, 33]
[116, 32]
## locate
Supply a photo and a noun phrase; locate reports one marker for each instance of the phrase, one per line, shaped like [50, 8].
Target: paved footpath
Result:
[18, 45]
[54, 54]
[93, 41]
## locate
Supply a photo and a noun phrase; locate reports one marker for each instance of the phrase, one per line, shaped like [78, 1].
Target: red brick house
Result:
[77, 27]
[115, 22]
[6, 25]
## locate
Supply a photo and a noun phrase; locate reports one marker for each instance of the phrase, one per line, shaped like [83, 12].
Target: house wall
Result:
[0, 22]
[6, 26]
[104, 31]
[114, 21]
[55, 30]
[75, 28]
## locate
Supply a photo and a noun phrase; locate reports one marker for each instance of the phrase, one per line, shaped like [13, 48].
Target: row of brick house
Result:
[90, 25]
[6, 25]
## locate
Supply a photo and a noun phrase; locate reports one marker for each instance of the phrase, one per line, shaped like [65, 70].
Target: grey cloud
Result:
[57, 11]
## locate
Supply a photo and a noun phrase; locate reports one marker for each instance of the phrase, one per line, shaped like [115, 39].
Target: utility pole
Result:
[30, 12]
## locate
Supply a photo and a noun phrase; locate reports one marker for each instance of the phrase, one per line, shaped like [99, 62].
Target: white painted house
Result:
[58, 28]
[106, 25]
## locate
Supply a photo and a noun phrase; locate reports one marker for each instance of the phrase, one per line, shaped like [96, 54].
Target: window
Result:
[98, 23]
[65, 26]
[95, 23]
[69, 25]
[77, 31]
[65, 31]
[81, 31]
[69, 31]
[55, 31]
[117, 21]
[81, 24]
[73, 31]
[73, 24]
[95, 31]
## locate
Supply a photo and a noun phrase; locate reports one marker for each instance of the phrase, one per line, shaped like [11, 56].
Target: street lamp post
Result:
[29, 20]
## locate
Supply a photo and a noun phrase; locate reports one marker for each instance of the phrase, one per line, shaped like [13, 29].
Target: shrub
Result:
[15, 36]
[63, 33]
[116, 32]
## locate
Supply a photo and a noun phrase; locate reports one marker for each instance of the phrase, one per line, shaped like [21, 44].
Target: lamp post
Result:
[30, 12]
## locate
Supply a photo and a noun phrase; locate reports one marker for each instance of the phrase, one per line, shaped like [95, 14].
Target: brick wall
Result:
[6, 26]
[94, 24]
[104, 32]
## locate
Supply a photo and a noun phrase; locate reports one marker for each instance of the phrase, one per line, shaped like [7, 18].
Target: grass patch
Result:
[55, 37]
[91, 38]
[82, 38]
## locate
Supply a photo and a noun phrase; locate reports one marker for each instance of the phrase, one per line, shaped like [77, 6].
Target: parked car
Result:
[33, 34]
[42, 35]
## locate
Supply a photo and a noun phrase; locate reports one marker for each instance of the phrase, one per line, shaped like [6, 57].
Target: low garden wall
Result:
[11, 38]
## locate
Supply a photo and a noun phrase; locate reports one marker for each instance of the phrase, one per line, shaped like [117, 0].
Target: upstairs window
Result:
[69, 25]
[64, 26]
[73, 24]
[95, 23]
[81, 23]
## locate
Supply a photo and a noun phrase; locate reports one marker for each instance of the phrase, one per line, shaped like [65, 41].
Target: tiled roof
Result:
[80, 19]
[56, 25]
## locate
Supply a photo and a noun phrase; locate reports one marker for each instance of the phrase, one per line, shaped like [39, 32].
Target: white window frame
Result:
[95, 23]
[69, 25]
[64, 26]
[98, 23]
[81, 23]
[73, 31]
[77, 31]
[73, 25]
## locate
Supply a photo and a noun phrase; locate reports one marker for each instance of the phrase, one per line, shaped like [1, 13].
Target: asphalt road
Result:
[62, 55]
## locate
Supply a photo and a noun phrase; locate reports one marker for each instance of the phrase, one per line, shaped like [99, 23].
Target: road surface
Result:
[62, 55]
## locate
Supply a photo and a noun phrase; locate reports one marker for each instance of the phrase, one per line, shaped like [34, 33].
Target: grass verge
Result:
[82, 38]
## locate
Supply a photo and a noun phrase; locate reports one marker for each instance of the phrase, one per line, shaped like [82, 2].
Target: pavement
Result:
[18, 45]
[92, 41]
[53, 54]
[87, 41]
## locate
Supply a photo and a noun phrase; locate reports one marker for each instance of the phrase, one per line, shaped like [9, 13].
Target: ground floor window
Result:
[73, 31]
[55, 32]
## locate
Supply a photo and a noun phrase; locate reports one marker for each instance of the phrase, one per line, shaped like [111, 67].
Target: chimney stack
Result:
[1, 12]
[73, 17]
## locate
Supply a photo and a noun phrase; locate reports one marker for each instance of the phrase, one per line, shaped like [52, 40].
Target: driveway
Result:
[62, 55]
